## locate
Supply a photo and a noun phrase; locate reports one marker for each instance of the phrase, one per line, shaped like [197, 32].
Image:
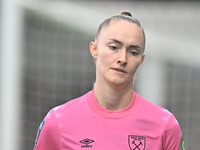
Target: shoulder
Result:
[67, 109]
[159, 115]
[156, 112]
[70, 106]
[169, 126]
[48, 133]
[151, 108]
[48, 136]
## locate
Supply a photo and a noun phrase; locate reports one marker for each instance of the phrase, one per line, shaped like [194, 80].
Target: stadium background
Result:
[52, 63]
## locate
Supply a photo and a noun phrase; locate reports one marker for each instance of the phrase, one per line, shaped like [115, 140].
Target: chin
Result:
[119, 83]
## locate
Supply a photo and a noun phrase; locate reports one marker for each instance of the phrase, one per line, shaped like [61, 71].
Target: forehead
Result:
[122, 30]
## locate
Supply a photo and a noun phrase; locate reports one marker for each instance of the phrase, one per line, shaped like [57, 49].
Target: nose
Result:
[122, 59]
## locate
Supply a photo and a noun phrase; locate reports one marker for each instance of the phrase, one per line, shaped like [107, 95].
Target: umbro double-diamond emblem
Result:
[86, 143]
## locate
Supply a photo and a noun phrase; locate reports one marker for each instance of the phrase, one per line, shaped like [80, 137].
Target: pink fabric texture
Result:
[83, 124]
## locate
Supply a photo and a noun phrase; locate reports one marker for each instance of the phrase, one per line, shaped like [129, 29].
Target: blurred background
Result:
[45, 60]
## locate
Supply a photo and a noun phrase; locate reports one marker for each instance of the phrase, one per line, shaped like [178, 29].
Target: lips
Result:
[119, 70]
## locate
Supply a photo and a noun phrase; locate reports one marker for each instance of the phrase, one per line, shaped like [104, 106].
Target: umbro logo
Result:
[86, 143]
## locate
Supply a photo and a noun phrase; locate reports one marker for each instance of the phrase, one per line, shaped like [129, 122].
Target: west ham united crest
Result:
[136, 142]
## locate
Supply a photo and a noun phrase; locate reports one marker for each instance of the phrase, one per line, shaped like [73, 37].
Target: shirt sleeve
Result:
[48, 136]
[172, 135]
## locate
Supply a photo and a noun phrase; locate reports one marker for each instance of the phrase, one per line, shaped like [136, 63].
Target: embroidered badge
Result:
[136, 142]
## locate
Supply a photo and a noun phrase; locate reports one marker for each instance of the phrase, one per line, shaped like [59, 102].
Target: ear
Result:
[93, 49]
[143, 56]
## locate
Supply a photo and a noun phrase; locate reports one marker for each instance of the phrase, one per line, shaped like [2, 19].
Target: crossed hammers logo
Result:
[137, 146]
[136, 142]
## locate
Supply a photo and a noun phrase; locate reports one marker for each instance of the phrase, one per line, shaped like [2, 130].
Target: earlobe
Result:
[93, 49]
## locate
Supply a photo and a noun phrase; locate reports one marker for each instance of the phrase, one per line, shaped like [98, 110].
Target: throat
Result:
[113, 100]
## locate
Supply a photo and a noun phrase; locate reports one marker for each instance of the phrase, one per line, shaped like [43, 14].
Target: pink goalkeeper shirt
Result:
[82, 124]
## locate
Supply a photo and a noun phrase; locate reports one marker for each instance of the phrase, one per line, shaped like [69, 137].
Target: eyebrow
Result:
[116, 41]
[131, 46]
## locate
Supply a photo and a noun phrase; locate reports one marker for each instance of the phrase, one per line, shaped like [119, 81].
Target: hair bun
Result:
[125, 13]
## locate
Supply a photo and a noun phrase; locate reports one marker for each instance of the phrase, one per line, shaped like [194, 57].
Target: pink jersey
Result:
[82, 124]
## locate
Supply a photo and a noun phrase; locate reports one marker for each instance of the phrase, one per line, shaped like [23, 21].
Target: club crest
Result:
[136, 142]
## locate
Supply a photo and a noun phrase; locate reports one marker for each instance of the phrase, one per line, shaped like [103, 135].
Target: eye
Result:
[113, 47]
[134, 53]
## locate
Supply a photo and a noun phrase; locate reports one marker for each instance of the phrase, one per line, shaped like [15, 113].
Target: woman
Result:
[112, 115]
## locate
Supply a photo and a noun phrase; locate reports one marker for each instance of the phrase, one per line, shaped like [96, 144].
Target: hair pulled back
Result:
[122, 15]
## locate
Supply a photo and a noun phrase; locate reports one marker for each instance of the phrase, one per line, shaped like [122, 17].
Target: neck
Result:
[113, 98]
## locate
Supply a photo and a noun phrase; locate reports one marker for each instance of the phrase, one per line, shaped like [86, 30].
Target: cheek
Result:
[103, 58]
[135, 66]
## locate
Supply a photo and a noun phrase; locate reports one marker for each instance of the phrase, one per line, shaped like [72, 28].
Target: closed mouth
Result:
[120, 70]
